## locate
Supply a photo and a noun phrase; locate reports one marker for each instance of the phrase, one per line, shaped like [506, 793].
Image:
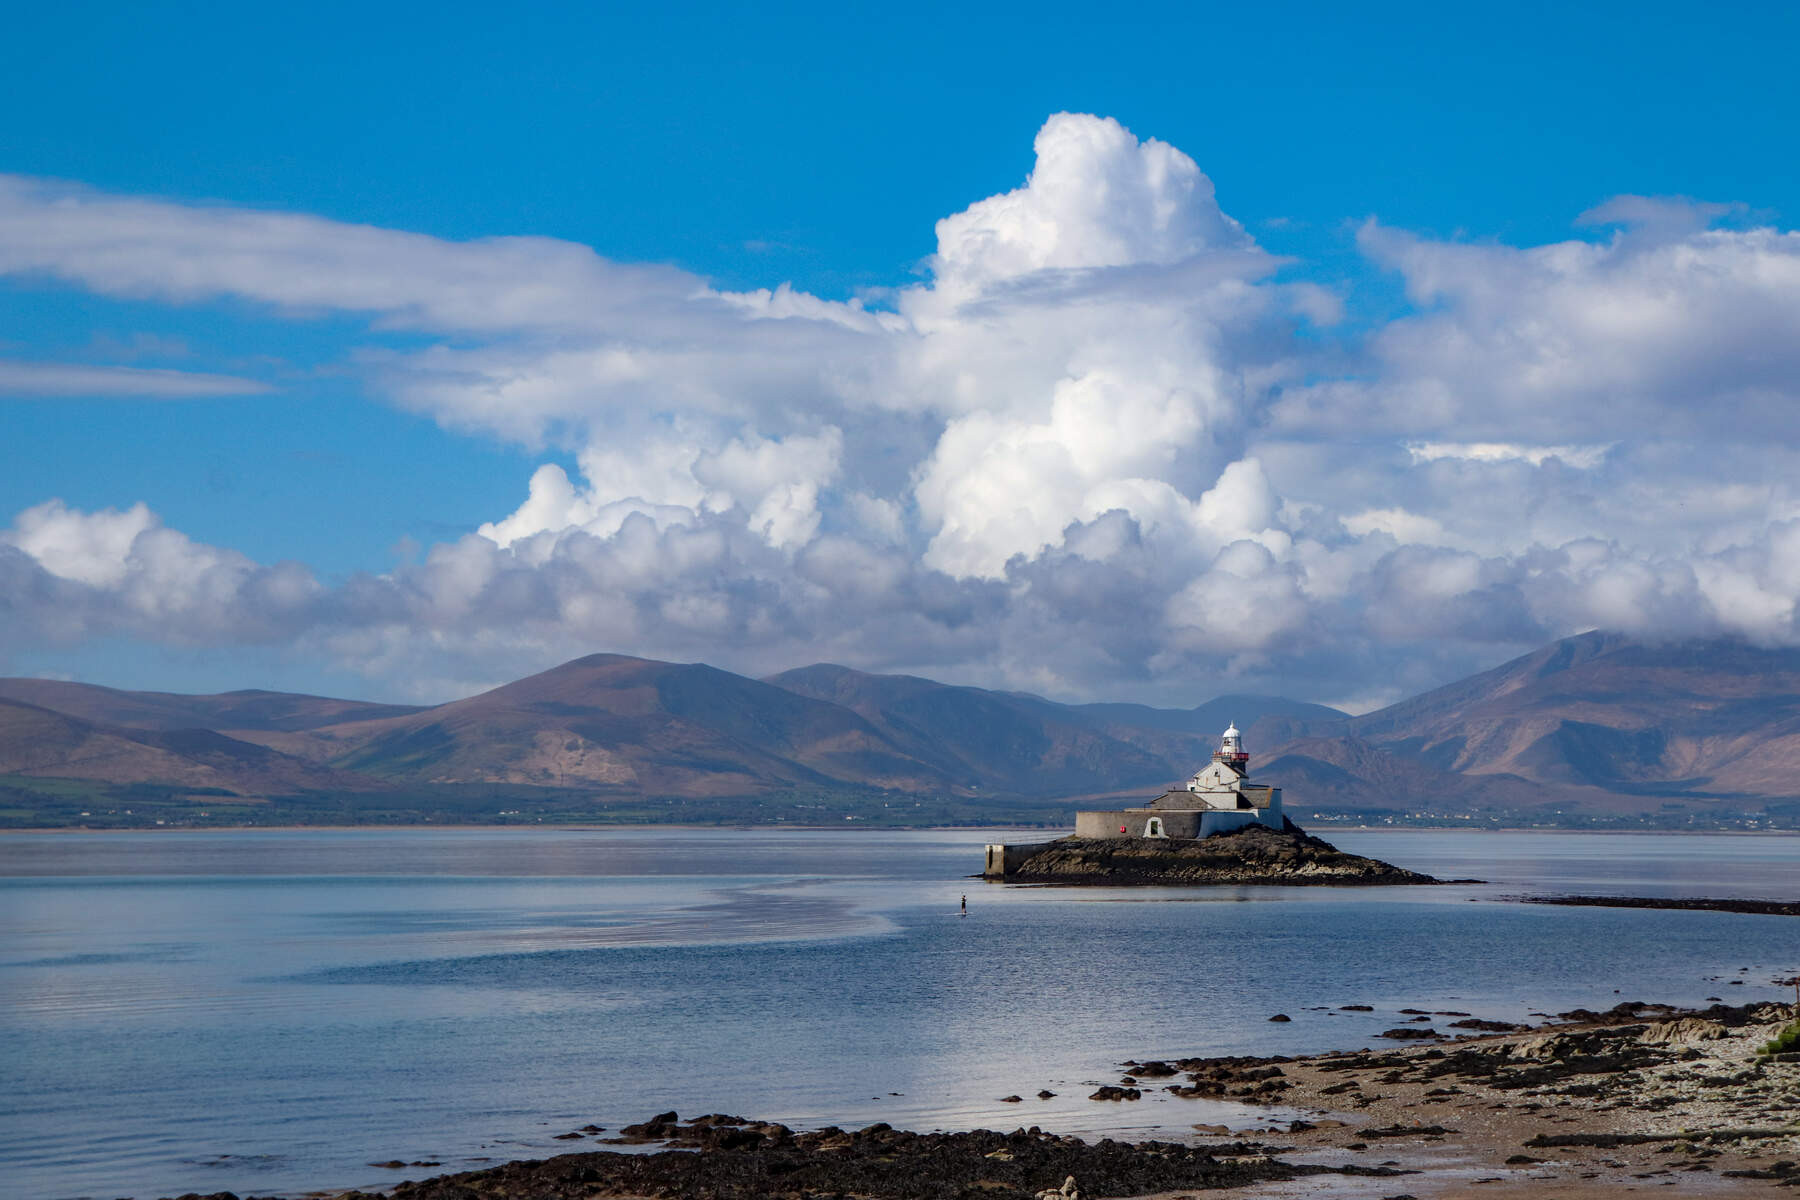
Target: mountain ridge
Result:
[1597, 724]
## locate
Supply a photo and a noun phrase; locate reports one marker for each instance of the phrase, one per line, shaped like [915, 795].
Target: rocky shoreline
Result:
[1594, 1103]
[1590, 1104]
[719, 1157]
[1255, 855]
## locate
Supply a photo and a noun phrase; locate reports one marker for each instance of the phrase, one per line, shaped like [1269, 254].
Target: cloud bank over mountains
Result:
[1106, 446]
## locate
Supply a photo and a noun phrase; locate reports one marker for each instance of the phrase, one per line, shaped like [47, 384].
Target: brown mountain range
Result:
[1595, 720]
[620, 726]
[1596, 723]
[40, 743]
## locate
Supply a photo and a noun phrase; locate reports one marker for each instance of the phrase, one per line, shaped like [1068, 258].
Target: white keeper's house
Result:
[1219, 797]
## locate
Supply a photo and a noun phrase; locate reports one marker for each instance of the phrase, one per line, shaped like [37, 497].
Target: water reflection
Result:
[272, 1011]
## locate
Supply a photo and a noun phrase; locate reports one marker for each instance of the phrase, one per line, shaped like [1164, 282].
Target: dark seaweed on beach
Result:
[751, 1161]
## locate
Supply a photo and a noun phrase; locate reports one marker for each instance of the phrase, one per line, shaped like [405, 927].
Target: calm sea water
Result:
[273, 1011]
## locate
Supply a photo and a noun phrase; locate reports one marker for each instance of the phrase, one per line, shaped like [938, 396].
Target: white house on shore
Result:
[1219, 797]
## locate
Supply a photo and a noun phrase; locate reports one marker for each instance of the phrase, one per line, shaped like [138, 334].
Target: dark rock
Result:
[1625, 1013]
[1281, 1017]
[1155, 1069]
[1046, 1094]
[659, 1128]
[1011, 1099]
[1110, 1092]
[1401, 1131]
[1608, 1141]
[1404, 1034]
[1773, 908]
[1242, 1077]
[720, 1137]
[875, 1162]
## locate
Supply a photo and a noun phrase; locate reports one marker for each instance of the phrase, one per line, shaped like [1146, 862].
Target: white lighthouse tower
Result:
[1231, 751]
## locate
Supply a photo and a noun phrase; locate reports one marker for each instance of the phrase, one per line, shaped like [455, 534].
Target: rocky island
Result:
[1218, 829]
[1255, 855]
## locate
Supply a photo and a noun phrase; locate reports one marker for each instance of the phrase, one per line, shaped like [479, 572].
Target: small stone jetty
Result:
[1253, 855]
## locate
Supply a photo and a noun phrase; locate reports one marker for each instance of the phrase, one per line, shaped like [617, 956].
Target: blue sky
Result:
[819, 146]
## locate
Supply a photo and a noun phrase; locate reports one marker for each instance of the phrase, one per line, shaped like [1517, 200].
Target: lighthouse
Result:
[1231, 751]
[1218, 797]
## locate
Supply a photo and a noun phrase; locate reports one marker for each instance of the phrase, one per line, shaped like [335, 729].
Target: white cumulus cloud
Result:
[1090, 451]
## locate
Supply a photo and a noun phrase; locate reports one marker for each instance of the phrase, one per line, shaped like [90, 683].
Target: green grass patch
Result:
[1785, 1042]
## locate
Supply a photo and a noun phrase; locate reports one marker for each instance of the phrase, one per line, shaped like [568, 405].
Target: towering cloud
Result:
[1090, 452]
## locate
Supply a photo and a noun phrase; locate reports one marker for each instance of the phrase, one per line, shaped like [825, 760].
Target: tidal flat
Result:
[271, 1013]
